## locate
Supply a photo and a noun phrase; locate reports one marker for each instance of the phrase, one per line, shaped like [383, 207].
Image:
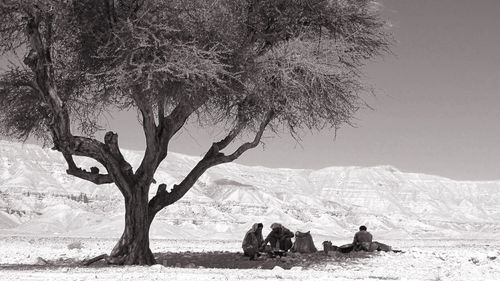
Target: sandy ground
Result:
[24, 258]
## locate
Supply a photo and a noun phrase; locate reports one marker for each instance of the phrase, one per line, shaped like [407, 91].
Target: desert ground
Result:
[59, 258]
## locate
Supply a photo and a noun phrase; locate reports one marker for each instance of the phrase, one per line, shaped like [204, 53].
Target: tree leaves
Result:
[301, 59]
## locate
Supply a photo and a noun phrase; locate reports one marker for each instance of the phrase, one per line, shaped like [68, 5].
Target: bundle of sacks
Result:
[364, 246]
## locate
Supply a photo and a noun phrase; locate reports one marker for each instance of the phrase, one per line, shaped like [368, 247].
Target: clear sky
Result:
[436, 111]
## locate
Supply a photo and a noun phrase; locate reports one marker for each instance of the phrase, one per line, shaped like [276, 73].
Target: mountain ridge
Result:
[36, 195]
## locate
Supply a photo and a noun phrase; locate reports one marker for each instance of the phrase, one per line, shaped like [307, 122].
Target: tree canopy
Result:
[246, 65]
[301, 59]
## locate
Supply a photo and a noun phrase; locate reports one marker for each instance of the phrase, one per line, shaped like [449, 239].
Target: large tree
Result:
[245, 66]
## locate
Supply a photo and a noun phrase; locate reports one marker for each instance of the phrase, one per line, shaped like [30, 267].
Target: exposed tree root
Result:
[93, 260]
[117, 260]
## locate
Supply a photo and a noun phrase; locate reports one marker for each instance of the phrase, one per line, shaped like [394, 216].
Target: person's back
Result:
[362, 239]
[362, 236]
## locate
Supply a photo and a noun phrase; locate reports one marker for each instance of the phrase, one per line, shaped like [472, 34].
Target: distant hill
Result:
[38, 197]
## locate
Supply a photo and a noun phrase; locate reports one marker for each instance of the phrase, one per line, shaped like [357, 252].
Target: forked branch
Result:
[172, 123]
[249, 145]
[158, 137]
[92, 176]
[212, 158]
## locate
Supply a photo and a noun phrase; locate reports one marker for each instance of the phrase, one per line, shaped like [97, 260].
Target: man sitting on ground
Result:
[252, 241]
[280, 238]
[362, 240]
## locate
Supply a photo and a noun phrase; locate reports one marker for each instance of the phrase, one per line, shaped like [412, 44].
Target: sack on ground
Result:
[382, 247]
[303, 243]
[347, 248]
[329, 247]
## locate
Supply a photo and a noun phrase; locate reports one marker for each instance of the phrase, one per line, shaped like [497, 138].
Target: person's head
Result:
[257, 227]
[275, 226]
[362, 228]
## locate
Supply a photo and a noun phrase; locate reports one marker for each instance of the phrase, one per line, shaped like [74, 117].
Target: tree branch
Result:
[172, 123]
[249, 145]
[150, 131]
[40, 63]
[241, 121]
[148, 119]
[164, 198]
[220, 145]
[111, 141]
[107, 153]
[161, 108]
[92, 176]
[89, 176]
[168, 126]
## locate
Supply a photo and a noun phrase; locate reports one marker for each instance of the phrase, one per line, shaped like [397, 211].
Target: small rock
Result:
[75, 245]
[278, 268]
[41, 261]
[474, 260]
[492, 255]
[190, 265]
[156, 267]
[296, 268]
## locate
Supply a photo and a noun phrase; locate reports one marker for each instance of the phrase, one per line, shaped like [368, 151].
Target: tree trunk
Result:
[133, 246]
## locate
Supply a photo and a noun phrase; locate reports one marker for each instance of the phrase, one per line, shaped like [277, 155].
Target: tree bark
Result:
[133, 246]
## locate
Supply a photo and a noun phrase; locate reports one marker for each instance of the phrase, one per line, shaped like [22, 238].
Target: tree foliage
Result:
[249, 65]
[300, 58]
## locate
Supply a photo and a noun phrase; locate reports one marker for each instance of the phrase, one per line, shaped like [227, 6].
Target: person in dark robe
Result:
[280, 238]
[252, 241]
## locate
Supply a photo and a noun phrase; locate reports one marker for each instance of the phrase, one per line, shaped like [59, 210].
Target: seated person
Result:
[279, 238]
[362, 240]
[252, 241]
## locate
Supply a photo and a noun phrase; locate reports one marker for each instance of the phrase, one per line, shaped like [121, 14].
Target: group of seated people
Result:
[280, 240]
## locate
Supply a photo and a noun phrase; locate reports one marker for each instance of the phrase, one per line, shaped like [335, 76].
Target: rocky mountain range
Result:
[38, 197]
